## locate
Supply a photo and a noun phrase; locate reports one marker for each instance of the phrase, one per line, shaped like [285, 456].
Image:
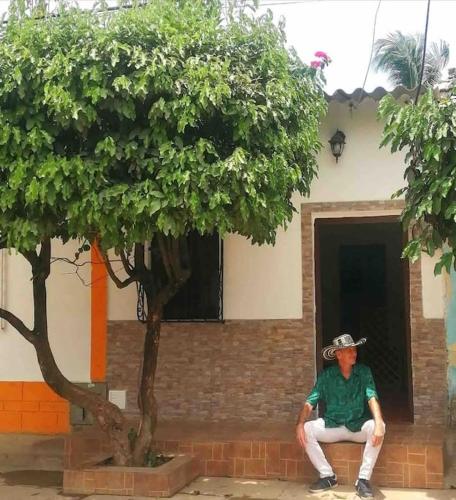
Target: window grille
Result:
[200, 299]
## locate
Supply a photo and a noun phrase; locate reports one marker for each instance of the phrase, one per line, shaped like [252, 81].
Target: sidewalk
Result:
[43, 485]
[20, 454]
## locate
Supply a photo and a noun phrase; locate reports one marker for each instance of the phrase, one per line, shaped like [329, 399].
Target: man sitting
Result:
[348, 391]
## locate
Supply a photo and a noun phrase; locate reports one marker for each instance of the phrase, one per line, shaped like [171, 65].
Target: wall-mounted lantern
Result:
[337, 143]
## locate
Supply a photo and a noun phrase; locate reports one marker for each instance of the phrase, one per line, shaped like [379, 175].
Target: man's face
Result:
[347, 356]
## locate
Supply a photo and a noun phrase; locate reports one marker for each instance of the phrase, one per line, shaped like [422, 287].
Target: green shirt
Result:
[345, 399]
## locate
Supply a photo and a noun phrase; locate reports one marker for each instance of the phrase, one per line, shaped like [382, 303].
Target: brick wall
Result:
[429, 359]
[263, 369]
[252, 370]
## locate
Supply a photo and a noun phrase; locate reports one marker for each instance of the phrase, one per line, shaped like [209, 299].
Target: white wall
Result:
[68, 315]
[434, 288]
[265, 282]
[363, 173]
[121, 302]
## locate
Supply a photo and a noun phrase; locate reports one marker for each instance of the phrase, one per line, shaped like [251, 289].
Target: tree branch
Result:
[40, 261]
[171, 255]
[32, 258]
[165, 257]
[73, 262]
[45, 257]
[126, 263]
[176, 258]
[117, 281]
[168, 291]
[18, 325]
[140, 265]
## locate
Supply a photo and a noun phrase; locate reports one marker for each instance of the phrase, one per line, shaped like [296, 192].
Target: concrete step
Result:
[411, 457]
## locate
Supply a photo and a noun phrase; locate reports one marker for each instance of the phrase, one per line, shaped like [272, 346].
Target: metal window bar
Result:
[141, 307]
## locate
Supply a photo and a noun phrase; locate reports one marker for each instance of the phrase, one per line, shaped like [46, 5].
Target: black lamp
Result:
[337, 143]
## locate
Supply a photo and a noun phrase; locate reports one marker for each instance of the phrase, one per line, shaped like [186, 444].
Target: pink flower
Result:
[315, 64]
[322, 55]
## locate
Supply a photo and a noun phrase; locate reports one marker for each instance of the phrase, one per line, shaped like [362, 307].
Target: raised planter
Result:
[162, 481]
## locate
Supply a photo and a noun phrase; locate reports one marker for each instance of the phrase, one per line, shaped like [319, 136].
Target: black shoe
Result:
[364, 489]
[323, 484]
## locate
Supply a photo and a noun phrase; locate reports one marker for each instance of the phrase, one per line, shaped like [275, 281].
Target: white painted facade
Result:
[265, 282]
[259, 282]
[68, 314]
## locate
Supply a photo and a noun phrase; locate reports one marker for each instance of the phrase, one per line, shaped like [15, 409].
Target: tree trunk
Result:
[158, 295]
[146, 399]
[108, 416]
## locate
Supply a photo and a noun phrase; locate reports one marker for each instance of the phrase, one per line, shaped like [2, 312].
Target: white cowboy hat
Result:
[340, 342]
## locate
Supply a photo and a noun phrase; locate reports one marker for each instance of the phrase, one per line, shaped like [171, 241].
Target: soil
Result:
[152, 461]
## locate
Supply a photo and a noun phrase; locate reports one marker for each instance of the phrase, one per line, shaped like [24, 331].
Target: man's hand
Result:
[303, 417]
[301, 435]
[379, 429]
[379, 432]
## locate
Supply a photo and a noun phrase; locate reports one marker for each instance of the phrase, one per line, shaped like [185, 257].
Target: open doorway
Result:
[362, 289]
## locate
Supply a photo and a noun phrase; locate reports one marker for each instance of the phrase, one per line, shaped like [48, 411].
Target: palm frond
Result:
[400, 56]
[437, 58]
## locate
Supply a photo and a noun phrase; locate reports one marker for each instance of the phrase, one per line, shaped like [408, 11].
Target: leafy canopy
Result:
[427, 132]
[164, 117]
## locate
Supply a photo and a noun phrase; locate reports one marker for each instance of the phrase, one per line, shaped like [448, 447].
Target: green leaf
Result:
[436, 205]
[444, 262]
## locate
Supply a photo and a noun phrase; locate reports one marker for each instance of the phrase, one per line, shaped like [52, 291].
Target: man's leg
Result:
[371, 452]
[316, 431]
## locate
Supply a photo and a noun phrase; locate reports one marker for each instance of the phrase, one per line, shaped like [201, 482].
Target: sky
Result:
[344, 29]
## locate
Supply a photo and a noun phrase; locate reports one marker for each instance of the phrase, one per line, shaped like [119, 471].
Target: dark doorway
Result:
[362, 289]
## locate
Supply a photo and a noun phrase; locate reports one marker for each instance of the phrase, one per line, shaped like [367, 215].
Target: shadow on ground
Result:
[40, 478]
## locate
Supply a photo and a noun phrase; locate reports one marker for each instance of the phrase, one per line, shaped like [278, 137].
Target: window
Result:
[200, 299]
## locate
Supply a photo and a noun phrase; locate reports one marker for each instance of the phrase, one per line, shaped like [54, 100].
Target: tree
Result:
[427, 132]
[143, 124]
[400, 56]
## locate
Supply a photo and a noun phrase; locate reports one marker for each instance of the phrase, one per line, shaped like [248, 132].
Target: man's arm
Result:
[315, 395]
[374, 406]
[304, 415]
[379, 430]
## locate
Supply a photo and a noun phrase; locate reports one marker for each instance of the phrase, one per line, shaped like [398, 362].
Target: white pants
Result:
[316, 431]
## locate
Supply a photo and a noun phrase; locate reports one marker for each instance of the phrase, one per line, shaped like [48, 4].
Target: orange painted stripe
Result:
[32, 407]
[99, 314]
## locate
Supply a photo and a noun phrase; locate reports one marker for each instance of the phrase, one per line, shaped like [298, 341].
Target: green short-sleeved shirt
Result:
[345, 399]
